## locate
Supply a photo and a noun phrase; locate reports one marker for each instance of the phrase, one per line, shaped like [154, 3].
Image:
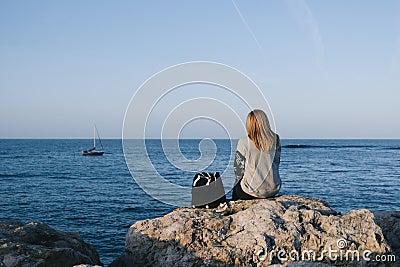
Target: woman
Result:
[257, 160]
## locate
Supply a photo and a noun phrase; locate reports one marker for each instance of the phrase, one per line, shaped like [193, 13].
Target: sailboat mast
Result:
[94, 140]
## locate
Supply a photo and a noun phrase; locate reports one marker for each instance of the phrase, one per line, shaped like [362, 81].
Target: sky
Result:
[328, 69]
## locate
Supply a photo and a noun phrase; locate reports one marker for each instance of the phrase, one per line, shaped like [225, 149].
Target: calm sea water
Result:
[49, 181]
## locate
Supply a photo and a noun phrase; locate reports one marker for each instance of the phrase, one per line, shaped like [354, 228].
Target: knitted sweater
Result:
[257, 171]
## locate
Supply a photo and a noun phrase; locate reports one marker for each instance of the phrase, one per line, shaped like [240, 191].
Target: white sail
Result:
[94, 139]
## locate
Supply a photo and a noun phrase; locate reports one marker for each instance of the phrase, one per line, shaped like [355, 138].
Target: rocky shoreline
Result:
[37, 244]
[287, 230]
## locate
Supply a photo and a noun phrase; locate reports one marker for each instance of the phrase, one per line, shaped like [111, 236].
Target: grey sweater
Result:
[258, 172]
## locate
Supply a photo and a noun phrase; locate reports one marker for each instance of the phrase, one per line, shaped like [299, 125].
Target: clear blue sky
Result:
[329, 69]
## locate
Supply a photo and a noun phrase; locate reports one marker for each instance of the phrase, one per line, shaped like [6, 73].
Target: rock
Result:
[37, 244]
[287, 230]
[389, 221]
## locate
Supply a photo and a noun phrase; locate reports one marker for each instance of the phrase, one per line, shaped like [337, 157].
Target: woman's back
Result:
[261, 168]
[257, 159]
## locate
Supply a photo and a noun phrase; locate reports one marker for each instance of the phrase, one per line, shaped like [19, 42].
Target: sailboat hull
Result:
[92, 153]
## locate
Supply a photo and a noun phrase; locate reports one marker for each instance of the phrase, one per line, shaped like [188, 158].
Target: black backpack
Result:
[207, 190]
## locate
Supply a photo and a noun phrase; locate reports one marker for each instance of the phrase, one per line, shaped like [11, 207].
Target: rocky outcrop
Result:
[37, 244]
[288, 230]
[389, 221]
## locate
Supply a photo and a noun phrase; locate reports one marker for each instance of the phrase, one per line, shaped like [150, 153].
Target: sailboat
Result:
[93, 151]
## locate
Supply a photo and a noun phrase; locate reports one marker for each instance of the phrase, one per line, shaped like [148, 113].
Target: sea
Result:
[50, 181]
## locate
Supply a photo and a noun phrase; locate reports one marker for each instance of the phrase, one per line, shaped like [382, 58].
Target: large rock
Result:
[389, 221]
[256, 233]
[37, 244]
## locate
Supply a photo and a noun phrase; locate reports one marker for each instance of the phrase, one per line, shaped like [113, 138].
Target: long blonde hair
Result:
[259, 130]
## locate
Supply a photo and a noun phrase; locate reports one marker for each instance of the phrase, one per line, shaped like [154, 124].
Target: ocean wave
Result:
[393, 148]
[22, 175]
[8, 175]
[129, 209]
[333, 171]
[75, 218]
[19, 175]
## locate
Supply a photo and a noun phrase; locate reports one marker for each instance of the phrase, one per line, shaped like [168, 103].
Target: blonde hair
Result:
[259, 130]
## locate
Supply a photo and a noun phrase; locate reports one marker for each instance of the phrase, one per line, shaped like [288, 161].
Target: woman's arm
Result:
[239, 165]
[277, 158]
